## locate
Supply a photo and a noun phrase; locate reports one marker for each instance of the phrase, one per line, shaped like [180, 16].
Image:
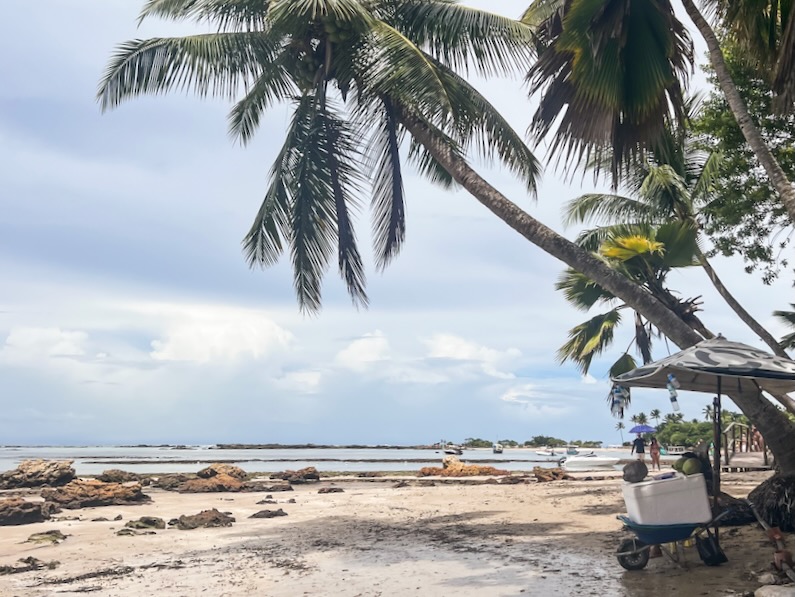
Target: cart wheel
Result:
[631, 554]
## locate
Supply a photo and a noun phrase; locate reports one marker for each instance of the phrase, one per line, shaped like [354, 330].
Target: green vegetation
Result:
[538, 441]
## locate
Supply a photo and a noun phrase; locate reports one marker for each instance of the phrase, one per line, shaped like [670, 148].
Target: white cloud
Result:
[489, 360]
[363, 352]
[31, 344]
[201, 335]
[536, 400]
[305, 382]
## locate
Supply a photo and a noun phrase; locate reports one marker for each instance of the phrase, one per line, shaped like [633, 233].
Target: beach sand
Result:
[376, 539]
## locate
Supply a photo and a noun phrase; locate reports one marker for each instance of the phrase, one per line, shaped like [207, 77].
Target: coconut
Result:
[678, 464]
[691, 466]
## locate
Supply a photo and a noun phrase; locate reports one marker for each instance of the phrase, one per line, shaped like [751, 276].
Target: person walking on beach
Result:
[639, 448]
[654, 453]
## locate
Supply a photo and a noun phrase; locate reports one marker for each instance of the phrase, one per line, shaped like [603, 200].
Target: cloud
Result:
[488, 360]
[536, 400]
[32, 344]
[364, 352]
[305, 382]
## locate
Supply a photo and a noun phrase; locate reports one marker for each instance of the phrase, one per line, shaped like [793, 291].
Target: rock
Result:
[269, 486]
[54, 537]
[303, 475]
[269, 513]
[219, 482]
[262, 502]
[330, 490]
[204, 519]
[544, 475]
[513, 480]
[291, 501]
[370, 475]
[171, 481]
[90, 493]
[118, 517]
[455, 468]
[768, 578]
[37, 473]
[146, 522]
[218, 468]
[635, 471]
[400, 484]
[117, 476]
[16, 511]
[775, 591]
[27, 565]
[451, 461]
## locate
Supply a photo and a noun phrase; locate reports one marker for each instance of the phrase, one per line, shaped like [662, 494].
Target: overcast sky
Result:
[128, 315]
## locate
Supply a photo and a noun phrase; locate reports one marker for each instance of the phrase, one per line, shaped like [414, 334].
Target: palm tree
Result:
[607, 103]
[363, 75]
[707, 413]
[642, 420]
[673, 184]
[644, 254]
[620, 428]
[788, 318]
[656, 415]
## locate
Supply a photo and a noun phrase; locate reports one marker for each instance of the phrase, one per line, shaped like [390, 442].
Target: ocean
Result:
[93, 460]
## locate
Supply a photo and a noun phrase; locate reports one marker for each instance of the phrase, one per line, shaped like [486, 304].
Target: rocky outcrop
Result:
[269, 513]
[303, 475]
[218, 468]
[453, 467]
[38, 473]
[204, 519]
[330, 490]
[220, 482]
[115, 475]
[171, 481]
[89, 493]
[544, 475]
[28, 564]
[146, 522]
[16, 511]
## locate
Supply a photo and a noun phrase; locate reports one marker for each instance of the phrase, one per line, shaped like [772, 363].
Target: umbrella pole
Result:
[716, 444]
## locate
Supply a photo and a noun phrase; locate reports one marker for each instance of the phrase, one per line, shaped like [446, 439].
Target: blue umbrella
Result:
[642, 429]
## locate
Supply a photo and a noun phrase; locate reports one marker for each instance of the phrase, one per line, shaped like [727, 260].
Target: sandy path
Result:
[376, 540]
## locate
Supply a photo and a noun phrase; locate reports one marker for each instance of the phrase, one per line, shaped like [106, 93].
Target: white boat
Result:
[497, 448]
[550, 454]
[588, 461]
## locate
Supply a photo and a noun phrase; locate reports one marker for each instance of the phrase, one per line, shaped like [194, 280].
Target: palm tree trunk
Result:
[736, 104]
[749, 320]
[768, 419]
[547, 239]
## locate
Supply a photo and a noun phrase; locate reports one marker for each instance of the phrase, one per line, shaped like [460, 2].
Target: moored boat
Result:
[588, 461]
[497, 448]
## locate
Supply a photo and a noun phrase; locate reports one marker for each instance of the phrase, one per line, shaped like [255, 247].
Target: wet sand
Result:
[376, 539]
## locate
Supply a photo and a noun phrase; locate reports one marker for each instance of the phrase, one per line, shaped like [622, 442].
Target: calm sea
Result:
[92, 460]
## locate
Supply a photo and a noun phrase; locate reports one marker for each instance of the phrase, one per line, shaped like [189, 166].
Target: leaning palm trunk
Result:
[751, 133]
[771, 422]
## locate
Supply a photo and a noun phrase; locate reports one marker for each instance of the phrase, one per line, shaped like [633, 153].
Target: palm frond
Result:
[625, 248]
[602, 208]
[580, 291]
[216, 64]
[666, 190]
[642, 339]
[274, 84]
[592, 239]
[704, 184]
[388, 209]
[681, 241]
[227, 15]
[624, 364]
[462, 37]
[589, 339]
[788, 318]
[428, 166]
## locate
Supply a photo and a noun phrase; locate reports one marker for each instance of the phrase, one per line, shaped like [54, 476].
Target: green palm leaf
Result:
[227, 15]
[604, 208]
[589, 339]
[624, 364]
[216, 64]
[580, 291]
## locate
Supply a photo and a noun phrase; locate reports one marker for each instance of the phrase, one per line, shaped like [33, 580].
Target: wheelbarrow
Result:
[670, 539]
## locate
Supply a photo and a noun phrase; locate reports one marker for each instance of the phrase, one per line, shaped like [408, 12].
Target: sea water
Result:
[92, 460]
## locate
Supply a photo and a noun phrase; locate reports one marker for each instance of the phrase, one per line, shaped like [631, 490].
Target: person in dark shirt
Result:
[639, 448]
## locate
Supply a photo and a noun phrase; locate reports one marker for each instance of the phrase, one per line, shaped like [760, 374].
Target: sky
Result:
[128, 313]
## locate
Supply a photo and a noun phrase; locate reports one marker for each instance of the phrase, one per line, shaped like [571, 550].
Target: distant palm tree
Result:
[707, 413]
[642, 419]
[674, 417]
[656, 414]
[634, 419]
[620, 428]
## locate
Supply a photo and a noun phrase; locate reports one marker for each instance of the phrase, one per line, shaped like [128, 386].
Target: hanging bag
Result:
[709, 550]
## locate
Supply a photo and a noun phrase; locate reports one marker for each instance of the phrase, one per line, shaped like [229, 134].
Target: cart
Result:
[634, 553]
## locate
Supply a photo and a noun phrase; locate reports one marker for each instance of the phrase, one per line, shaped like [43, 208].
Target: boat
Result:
[550, 454]
[588, 461]
[453, 449]
[572, 450]
[497, 448]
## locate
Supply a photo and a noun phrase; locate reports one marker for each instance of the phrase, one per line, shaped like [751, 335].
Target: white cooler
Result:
[680, 499]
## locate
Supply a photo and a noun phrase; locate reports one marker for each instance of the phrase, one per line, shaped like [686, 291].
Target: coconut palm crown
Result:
[352, 69]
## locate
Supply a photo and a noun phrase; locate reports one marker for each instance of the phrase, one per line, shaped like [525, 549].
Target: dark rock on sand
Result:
[38, 473]
[635, 472]
[261, 502]
[218, 468]
[219, 482]
[330, 490]
[28, 565]
[146, 522]
[261, 486]
[16, 511]
[303, 475]
[269, 513]
[204, 519]
[89, 493]
[115, 475]
[544, 475]
[53, 537]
